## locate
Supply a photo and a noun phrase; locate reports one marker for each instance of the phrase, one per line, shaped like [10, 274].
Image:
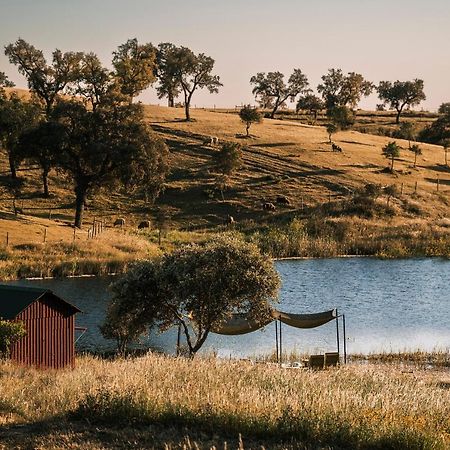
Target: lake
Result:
[389, 305]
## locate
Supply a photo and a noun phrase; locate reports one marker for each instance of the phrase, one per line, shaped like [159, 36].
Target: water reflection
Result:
[389, 305]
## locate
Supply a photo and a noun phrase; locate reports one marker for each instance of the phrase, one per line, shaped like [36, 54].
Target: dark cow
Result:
[144, 224]
[336, 147]
[283, 200]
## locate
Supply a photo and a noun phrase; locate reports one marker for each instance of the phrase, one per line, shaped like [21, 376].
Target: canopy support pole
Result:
[337, 332]
[281, 345]
[345, 339]
[276, 337]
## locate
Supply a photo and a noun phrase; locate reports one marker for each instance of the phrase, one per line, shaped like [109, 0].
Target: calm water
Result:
[388, 304]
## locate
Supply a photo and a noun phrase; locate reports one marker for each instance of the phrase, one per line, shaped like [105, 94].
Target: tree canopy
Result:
[249, 115]
[400, 94]
[311, 103]
[391, 150]
[134, 67]
[191, 72]
[168, 83]
[198, 287]
[46, 81]
[272, 86]
[16, 117]
[106, 146]
[338, 89]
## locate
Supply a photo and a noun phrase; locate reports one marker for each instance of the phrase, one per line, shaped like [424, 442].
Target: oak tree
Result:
[273, 86]
[338, 89]
[400, 94]
[46, 81]
[166, 68]
[193, 72]
[310, 103]
[391, 151]
[249, 115]
[134, 67]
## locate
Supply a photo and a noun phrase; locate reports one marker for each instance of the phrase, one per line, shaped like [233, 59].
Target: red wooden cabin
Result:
[50, 324]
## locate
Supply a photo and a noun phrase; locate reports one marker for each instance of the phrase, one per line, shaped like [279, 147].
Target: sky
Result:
[381, 39]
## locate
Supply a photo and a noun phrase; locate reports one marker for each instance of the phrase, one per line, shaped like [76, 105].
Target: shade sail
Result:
[239, 324]
[305, 320]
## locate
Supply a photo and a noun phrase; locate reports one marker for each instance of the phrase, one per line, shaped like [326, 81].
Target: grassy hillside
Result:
[282, 157]
[164, 402]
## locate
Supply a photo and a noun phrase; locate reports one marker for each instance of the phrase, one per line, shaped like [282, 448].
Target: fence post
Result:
[437, 184]
[45, 235]
[401, 189]
[74, 231]
[7, 238]
[415, 187]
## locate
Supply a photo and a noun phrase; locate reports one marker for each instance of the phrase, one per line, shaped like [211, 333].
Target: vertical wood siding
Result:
[49, 342]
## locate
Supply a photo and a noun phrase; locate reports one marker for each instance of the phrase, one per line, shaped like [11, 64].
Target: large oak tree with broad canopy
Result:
[197, 287]
[110, 145]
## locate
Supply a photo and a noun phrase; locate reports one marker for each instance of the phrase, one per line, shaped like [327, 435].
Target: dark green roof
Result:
[14, 299]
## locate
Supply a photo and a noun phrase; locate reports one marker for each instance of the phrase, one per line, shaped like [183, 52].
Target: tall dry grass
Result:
[357, 407]
[110, 253]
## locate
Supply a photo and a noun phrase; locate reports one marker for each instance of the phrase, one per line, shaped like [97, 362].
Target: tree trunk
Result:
[187, 111]
[12, 167]
[397, 119]
[392, 164]
[45, 172]
[415, 159]
[274, 110]
[80, 193]
[170, 100]
[247, 128]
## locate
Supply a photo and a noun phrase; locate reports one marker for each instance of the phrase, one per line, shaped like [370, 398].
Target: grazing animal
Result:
[229, 220]
[120, 222]
[336, 147]
[209, 140]
[144, 224]
[268, 206]
[283, 200]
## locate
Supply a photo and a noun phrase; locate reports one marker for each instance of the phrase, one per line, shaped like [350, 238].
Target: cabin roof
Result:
[14, 299]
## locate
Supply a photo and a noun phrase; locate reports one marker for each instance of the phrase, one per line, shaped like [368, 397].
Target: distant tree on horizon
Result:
[166, 68]
[46, 81]
[444, 109]
[134, 67]
[272, 86]
[400, 94]
[193, 72]
[311, 103]
[338, 89]
[249, 115]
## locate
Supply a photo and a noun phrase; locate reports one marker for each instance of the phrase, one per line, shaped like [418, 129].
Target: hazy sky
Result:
[382, 39]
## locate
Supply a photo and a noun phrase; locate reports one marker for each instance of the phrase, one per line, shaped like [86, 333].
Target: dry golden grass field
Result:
[281, 158]
[166, 403]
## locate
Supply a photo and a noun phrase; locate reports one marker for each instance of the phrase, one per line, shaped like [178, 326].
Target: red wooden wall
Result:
[50, 338]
